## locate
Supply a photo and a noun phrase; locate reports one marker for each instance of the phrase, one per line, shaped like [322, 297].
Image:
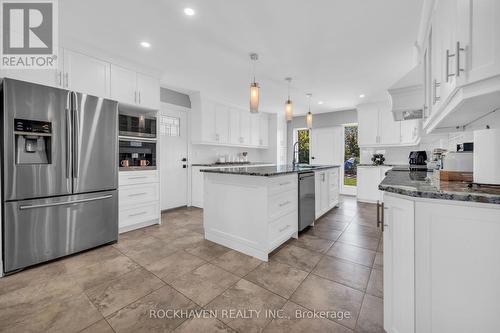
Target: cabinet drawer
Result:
[281, 204]
[282, 229]
[138, 177]
[138, 214]
[137, 194]
[282, 184]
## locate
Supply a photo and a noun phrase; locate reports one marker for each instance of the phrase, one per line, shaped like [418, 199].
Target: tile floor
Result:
[333, 266]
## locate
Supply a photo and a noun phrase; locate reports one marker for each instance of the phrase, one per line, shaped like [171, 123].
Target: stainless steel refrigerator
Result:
[59, 173]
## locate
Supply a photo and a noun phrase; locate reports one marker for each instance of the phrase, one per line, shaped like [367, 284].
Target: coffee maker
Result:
[418, 159]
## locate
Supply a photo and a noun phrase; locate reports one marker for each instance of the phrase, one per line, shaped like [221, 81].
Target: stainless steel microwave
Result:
[137, 126]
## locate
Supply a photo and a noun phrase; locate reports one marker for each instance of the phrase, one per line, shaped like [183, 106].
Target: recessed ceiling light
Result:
[145, 44]
[362, 96]
[320, 102]
[189, 11]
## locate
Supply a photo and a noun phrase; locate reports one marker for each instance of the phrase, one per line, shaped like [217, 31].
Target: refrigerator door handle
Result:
[68, 135]
[76, 133]
[65, 202]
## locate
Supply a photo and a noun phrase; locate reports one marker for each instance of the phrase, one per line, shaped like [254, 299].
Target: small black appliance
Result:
[417, 158]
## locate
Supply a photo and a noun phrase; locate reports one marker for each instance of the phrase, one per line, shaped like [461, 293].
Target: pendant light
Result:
[309, 116]
[254, 87]
[288, 103]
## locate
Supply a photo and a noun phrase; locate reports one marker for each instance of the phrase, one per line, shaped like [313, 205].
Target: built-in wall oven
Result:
[137, 138]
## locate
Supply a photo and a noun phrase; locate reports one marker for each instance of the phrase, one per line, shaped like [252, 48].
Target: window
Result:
[351, 155]
[169, 126]
[301, 146]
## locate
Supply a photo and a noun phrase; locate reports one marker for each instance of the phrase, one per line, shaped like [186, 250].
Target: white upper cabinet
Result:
[245, 130]
[130, 87]
[234, 127]
[123, 85]
[220, 124]
[264, 130]
[86, 74]
[389, 130]
[148, 91]
[377, 127]
[367, 125]
[48, 77]
[461, 54]
[255, 129]
[282, 131]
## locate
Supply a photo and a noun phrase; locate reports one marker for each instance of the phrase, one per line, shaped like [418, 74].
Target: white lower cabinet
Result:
[399, 265]
[139, 199]
[250, 214]
[326, 188]
[369, 177]
[441, 266]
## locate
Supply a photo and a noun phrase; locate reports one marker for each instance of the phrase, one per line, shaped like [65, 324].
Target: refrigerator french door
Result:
[59, 173]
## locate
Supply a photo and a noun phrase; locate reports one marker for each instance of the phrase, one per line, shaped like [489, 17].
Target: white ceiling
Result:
[335, 49]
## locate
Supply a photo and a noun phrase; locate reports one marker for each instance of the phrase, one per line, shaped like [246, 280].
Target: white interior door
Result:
[326, 146]
[173, 157]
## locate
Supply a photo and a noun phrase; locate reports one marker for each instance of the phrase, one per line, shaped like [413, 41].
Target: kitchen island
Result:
[254, 210]
[441, 254]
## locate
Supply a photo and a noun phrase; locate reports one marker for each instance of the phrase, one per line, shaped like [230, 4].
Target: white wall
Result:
[209, 154]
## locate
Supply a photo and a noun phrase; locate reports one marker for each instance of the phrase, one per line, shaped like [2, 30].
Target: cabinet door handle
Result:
[140, 177]
[285, 183]
[457, 52]
[137, 214]
[60, 78]
[137, 194]
[435, 85]
[139, 97]
[135, 96]
[382, 217]
[378, 214]
[285, 203]
[66, 76]
[448, 56]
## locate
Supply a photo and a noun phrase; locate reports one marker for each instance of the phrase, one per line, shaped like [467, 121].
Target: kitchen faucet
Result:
[295, 153]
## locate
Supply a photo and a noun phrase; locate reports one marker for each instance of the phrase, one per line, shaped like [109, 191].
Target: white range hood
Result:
[407, 96]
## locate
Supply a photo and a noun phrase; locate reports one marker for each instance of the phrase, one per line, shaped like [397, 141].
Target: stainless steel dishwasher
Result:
[306, 199]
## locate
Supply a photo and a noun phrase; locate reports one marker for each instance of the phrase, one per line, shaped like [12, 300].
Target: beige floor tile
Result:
[205, 325]
[237, 263]
[70, 314]
[300, 324]
[343, 271]
[101, 326]
[140, 315]
[179, 263]
[376, 283]
[246, 295]
[207, 250]
[321, 294]
[369, 243]
[297, 257]
[371, 317]
[364, 230]
[313, 243]
[323, 231]
[352, 253]
[115, 294]
[146, 250]
[93, 275]
[277, 277]
[379, 261]
[204, 283]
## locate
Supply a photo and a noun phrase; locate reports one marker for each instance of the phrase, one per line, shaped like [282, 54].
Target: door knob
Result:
[184, 160]
[312, 158]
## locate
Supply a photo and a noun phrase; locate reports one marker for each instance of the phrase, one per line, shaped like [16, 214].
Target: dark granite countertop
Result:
[383, 165]
[230, 164]
[419, 184]
[268, 171]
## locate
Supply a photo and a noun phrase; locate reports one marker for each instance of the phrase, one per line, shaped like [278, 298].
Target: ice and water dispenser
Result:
[33, 141]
